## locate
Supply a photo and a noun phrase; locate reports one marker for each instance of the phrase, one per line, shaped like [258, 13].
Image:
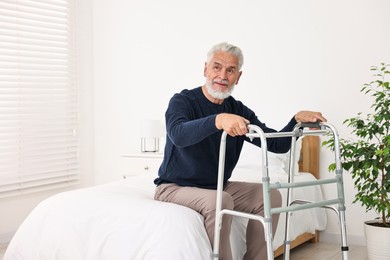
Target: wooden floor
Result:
[325, 251]
[322, 251]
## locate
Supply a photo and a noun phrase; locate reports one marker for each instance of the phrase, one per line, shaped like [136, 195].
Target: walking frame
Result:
[301, 129]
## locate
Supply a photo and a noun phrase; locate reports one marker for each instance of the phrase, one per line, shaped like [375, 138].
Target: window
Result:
[38, 96]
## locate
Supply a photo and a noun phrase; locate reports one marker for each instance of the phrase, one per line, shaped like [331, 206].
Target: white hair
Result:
[229, 48]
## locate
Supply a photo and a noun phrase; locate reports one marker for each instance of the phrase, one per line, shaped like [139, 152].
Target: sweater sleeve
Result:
[183, 127]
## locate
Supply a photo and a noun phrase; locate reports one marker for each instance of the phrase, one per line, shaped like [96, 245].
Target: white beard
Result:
[218, 94]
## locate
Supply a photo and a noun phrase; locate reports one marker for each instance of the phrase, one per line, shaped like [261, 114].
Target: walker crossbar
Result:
[304, 206]
[278, 185]
[243, 215]
[288, 134]
[317, 128]
[307, 201]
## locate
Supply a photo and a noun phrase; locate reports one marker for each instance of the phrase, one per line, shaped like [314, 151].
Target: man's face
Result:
[221, 74]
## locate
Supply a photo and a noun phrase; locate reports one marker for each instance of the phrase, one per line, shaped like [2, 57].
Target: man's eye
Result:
[217, 67]
[231, 70]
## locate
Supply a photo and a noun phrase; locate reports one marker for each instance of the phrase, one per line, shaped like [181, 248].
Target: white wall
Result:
[298, 55]
[14, 210]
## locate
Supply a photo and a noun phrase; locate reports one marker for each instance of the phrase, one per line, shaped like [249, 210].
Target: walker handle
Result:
[311, 124]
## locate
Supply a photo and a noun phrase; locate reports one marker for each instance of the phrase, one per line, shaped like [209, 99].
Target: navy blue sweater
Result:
[192, 142]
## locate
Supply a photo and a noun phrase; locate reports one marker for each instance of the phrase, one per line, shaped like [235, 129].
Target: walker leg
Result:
[217, 234]
[340, 193]
[344, 244]
[287, 242]
[268, 237]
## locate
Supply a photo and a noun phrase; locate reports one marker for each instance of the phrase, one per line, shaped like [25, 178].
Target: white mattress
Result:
[120, 220]
[114, 221]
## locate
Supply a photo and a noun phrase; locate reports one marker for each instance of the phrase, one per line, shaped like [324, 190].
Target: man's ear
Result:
[205, 69]
[239, 76]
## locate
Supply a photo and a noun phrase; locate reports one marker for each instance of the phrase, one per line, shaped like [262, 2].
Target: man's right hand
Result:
[233, 125]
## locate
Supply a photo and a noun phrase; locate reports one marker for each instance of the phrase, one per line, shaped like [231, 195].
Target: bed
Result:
[120, 220]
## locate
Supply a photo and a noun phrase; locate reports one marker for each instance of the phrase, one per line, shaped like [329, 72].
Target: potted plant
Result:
[367, 158]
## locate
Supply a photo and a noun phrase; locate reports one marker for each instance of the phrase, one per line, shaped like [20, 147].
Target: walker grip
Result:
[311, 124]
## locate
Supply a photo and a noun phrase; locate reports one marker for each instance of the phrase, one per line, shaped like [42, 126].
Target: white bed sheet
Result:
[114, 221]
[120, 220]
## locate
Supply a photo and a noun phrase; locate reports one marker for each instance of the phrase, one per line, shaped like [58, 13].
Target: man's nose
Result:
[223, 74]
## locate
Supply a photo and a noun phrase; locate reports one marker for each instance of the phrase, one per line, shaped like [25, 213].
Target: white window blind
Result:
[38, 96]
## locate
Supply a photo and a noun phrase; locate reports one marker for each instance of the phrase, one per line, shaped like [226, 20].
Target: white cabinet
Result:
[141, 163]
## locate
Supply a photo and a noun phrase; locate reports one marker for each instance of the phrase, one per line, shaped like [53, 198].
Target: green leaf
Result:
[368, 157]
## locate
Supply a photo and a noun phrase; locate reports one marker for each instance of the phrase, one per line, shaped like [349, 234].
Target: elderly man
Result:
[195, 120]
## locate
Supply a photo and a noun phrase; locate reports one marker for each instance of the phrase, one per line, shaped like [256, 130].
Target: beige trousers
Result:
[241, 196]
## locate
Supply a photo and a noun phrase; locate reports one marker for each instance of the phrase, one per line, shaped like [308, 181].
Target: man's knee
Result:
[276, 198]
[227, 201]
[209, 203]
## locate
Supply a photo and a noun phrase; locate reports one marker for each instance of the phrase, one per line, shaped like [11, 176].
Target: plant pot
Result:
[377, 240]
